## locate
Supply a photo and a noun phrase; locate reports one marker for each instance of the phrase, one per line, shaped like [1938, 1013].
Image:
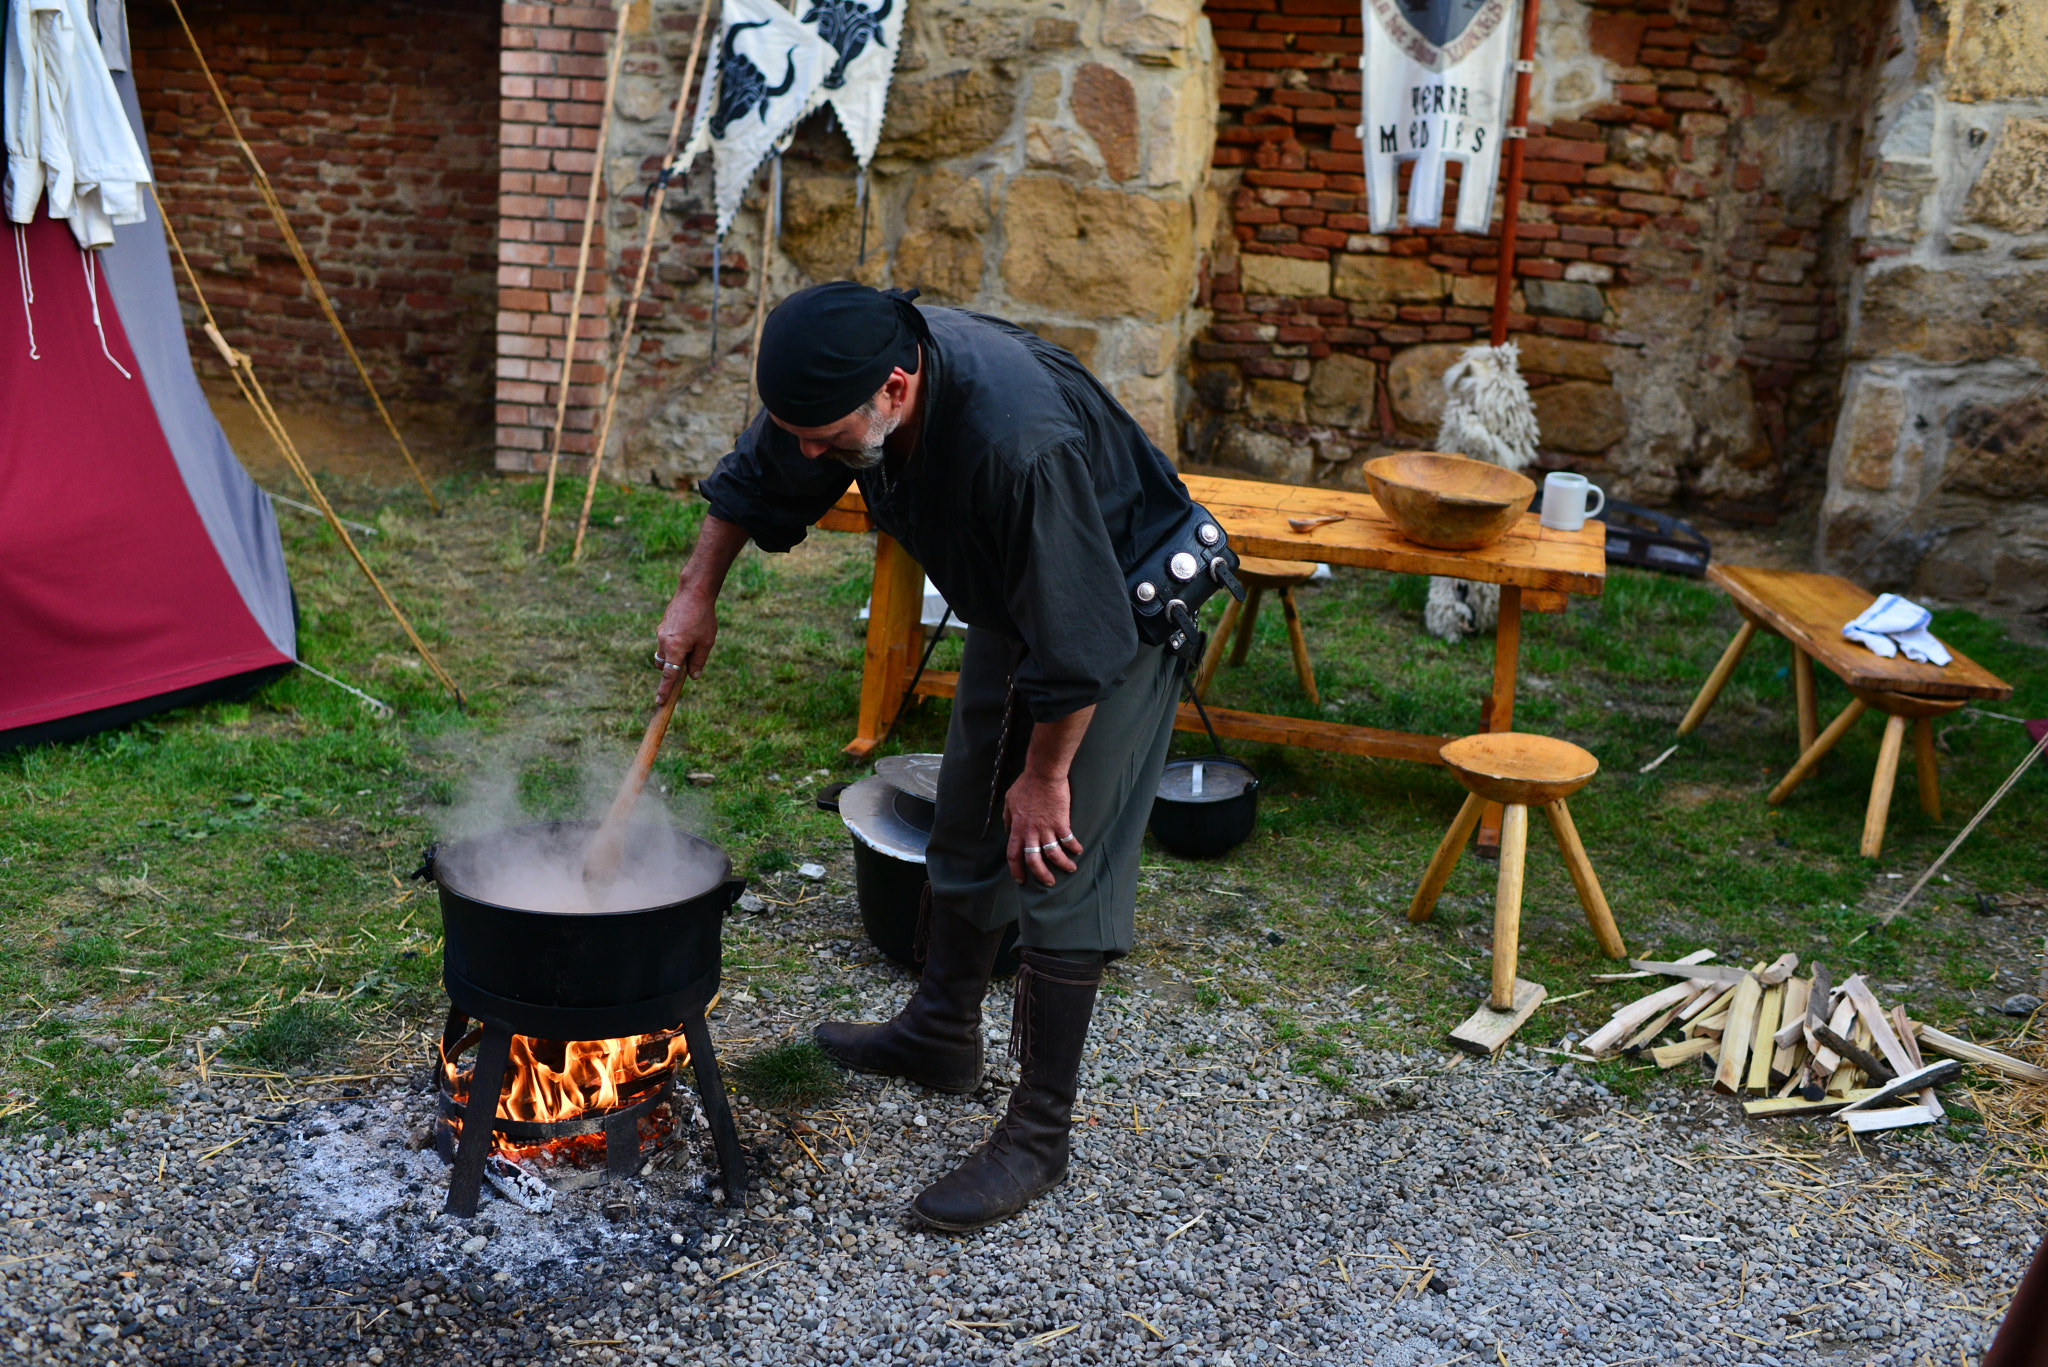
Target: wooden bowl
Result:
[1448, 502]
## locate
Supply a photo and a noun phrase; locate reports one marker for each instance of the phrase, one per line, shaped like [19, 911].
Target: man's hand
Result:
[1037, 808]
[690, 625]
[688, 631]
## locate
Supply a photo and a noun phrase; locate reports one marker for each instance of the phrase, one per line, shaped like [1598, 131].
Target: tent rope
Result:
[382, 709]
[569, 340]
[1886, 918]
[611, 399]
[291, 242]
[244, 374]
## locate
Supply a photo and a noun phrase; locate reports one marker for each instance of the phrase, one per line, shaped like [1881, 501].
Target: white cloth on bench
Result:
[1892, 624]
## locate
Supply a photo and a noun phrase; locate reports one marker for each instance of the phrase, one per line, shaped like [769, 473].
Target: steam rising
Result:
[493, 850]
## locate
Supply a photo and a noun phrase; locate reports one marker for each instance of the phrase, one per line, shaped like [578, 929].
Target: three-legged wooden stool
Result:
[1259, 575]
[1519, 771]
[1899, 708]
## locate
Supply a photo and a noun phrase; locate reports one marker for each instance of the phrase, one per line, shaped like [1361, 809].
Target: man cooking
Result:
[1026, 492]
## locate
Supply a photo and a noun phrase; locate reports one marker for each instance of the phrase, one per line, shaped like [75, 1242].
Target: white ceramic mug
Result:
[1569, 499]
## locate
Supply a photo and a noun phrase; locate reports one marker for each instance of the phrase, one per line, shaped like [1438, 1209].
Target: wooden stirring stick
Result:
[601, 857]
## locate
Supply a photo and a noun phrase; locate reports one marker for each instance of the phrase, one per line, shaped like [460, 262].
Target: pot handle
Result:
[732, 888]
[425, 872]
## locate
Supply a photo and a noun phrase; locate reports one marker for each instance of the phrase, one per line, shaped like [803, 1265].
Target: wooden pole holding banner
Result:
[1511, 206]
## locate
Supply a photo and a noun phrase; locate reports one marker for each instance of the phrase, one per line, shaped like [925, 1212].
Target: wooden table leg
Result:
[1445, 861]
[1507, 905]
[1718, 680]
[1836, 730]
[1244, 630]
[1500, 706]
[1924, 769]
[1213, 656]
[895, 633]
[1802, 692]
[1299, 643]
[1598, 914]
[1888, 752]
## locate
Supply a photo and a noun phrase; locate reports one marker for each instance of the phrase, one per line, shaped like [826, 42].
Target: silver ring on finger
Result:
[1033, 849]
[1069, 836]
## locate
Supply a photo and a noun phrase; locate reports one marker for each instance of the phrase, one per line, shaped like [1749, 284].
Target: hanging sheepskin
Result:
[1487, 416]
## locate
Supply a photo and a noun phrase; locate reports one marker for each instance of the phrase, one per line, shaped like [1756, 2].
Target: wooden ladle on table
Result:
[601, 857]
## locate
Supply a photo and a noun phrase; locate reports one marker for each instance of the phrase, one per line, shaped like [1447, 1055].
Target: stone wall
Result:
[1679, 269]
[381, 145]
[1044, 160]
[1938, 476]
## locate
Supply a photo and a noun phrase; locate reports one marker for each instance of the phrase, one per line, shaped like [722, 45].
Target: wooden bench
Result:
[1809, 610]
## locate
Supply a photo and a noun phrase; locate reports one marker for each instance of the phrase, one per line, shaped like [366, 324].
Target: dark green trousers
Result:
[1114, 777]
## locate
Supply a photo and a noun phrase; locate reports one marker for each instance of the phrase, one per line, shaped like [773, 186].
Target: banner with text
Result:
[1435, 86]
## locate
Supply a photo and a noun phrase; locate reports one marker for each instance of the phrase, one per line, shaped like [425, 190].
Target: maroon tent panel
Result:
[112, 593]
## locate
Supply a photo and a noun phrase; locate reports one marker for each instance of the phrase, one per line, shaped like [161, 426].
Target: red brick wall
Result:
[551, 92]
[1595, 208]
[377, 123]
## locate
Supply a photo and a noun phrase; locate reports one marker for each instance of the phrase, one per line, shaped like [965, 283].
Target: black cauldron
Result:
[1209, 819]
[890, 826]
[580, 976]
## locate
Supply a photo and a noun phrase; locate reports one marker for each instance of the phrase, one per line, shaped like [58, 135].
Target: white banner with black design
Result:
[864, 36]
[763, 82]
[1436, 78]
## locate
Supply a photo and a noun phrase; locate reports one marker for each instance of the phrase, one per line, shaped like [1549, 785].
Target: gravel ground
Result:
[1220, 1212]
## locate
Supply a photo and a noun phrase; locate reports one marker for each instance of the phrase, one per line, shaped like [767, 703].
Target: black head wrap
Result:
[826, 350]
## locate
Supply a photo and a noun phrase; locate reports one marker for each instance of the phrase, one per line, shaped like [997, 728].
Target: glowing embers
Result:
[576, 1112]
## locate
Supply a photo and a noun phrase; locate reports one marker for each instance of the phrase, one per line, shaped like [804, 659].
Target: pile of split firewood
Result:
[1797, 1046]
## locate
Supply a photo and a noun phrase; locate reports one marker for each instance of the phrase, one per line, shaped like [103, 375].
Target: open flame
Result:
[548, 1081]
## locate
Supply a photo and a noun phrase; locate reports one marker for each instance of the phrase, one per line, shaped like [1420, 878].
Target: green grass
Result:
[790, 1074]
[295, 1036]
[245, 864]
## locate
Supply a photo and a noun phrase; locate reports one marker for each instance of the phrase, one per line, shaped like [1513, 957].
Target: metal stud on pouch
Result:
[1208, 534]
[1146, 593]
[1183, 566]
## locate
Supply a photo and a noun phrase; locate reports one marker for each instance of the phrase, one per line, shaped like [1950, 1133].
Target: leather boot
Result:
[935, 1040]
[1027, 1152]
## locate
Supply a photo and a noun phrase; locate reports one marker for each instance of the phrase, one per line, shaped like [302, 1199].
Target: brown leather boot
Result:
[935, 1040]
[1027, 1152]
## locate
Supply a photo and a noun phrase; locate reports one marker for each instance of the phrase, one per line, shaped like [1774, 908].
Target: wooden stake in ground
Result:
[291, 242]
[611, 397]
[1486, 1030]
[252, 389]
[604, 128]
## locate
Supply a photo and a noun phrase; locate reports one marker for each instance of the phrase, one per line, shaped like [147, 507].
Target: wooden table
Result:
[1809, 610]
[1535, 566]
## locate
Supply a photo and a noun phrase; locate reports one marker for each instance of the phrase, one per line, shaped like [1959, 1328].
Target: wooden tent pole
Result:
[298, 254]
[604, 128]
[1511, 208]
[611, 398]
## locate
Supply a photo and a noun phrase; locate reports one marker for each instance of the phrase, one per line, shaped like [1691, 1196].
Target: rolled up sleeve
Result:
[1065, 589]
[766, 485]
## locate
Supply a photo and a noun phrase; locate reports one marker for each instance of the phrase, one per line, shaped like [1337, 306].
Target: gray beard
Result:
[866, 458]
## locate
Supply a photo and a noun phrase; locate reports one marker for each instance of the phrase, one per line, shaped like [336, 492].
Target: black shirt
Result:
[1030, 495]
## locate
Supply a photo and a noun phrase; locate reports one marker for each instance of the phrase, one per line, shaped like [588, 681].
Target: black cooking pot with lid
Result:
[581, 975]
[1206, 807]
[890, 825]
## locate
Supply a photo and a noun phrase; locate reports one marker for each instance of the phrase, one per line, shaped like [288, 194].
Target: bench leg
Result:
[1836, 730]
[1888, 751]
[1213, 656]
[1598, 914]
[1507, 904]
[1302, 670]
[1244, 630]
[1718, 680]
[1445, 861]
[1924, 767]
[1802, 692]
